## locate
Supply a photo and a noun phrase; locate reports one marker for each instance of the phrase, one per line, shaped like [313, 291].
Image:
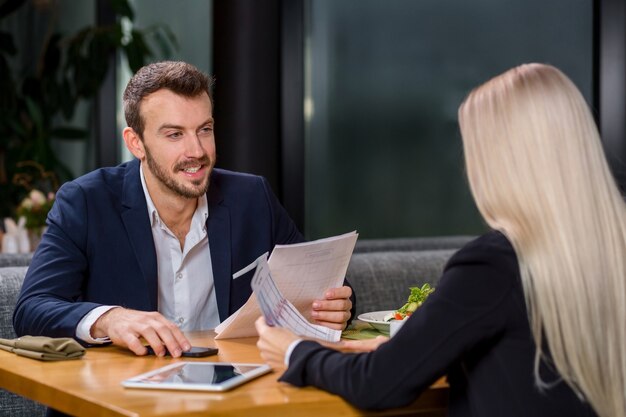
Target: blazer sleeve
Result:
[467, 308]
[49, 301]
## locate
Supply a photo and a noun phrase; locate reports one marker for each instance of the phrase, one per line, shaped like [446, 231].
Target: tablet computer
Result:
[198, 376]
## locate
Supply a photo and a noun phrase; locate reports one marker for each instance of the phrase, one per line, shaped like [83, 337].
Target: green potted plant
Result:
[37, 104]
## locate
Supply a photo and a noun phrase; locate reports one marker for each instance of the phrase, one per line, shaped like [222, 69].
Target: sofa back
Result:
[15, 259]
[381, 280]
[405, 244]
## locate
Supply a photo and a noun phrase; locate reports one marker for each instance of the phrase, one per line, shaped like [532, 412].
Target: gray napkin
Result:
[44, 348]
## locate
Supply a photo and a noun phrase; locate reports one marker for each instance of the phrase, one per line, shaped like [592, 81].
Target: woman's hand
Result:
[273, 343]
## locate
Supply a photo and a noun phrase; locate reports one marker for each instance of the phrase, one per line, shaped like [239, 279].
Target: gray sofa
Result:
[381, 272]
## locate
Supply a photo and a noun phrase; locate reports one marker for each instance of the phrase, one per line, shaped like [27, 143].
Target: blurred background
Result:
[348, 107]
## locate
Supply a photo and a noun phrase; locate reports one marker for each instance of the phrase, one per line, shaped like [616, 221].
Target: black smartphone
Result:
[194, 352]
[198, 352]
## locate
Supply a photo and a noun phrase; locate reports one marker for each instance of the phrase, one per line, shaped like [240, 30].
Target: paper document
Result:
[278, 311]
[301, 272]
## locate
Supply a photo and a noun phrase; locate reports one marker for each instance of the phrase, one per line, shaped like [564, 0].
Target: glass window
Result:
[384, 80]
[30, 27]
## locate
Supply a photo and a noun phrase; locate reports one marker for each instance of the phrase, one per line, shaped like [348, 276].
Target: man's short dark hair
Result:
[179, 77]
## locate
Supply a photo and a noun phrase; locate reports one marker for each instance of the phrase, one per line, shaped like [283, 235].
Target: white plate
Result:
[376, 319]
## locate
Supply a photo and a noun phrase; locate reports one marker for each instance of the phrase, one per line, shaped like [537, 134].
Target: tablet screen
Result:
[204, 376]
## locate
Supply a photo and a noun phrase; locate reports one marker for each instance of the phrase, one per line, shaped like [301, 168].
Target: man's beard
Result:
[170, 182]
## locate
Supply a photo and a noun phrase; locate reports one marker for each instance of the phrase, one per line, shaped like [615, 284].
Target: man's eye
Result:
[174, 135]
[207, 129]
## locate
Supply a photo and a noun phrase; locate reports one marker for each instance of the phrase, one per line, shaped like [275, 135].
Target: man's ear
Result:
[134, 143]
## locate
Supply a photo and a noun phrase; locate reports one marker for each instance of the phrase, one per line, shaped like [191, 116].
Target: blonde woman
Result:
[530, 319]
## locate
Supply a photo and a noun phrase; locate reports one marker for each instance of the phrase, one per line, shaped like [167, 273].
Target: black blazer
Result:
[473, 328]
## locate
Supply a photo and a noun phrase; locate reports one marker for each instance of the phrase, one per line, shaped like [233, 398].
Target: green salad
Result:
[416, 298]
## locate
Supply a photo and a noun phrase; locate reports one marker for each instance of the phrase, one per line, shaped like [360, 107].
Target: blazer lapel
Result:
[137, 223]
[218, 230]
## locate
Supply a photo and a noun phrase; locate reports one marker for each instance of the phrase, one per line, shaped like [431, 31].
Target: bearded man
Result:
[147, 249]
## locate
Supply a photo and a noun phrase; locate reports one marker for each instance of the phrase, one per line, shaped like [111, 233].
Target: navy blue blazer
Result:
[99, 250]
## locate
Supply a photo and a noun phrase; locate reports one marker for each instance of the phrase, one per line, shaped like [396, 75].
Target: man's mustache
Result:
[189, 163]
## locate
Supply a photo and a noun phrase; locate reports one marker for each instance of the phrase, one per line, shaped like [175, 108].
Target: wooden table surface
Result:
[91, 387]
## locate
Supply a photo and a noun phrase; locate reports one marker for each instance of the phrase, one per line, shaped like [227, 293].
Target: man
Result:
[148, 249]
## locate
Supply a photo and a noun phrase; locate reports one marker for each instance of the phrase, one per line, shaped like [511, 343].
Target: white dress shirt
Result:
[185, 277]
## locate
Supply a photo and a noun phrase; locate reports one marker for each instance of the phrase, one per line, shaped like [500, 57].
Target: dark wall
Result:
[247, 91]
[258, 68]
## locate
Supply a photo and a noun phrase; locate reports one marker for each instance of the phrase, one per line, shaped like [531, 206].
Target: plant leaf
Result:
[69, 133]
[9, 6]
[52, 55]
[6, 43]
[34, 110]
[136, 51]
[115, 35]
[67, 99]
[122, 8]
[17, 127]
[8, 96]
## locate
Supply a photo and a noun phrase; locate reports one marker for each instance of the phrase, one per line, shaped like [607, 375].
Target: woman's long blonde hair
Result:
[538, 173]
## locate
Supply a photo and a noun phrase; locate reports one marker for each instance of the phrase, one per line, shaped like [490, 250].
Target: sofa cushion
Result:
[381, 280]
[12, 405]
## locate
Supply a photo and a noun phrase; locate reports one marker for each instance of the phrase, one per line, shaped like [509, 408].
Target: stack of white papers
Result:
[295, 275]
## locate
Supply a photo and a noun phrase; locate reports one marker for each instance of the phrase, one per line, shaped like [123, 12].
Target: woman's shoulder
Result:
[481, 278]
[491, 253]
[490, 246]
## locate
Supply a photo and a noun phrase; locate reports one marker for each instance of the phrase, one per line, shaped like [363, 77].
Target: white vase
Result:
[9, 244]
[23, 241]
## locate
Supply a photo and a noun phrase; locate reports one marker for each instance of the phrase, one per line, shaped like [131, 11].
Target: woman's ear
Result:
[134, 143]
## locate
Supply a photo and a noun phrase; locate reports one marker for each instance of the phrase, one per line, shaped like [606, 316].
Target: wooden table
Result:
[91, 386]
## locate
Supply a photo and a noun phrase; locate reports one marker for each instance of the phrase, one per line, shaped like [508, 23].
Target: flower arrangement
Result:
[34, 208]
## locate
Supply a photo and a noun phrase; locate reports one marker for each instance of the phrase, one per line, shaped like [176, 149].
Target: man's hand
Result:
[273, 343]
[334, 310]
[125, 328]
